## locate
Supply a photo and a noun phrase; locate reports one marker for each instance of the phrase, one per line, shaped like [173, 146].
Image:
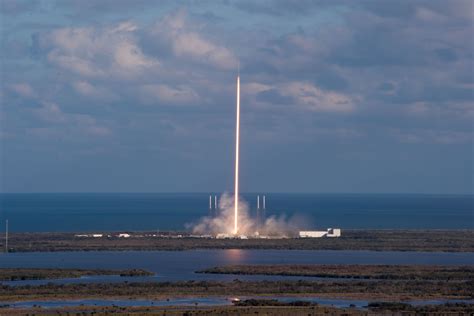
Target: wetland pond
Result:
[181, 265]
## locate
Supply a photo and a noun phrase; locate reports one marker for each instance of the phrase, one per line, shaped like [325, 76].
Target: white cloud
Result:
[185, 42]
[315, 99]
[92, 91]
[99, 52]
[75, 64]
[23, 89]
[302, 94]
[166, 94]
[84, 88]
[253, 88]
[129, 56]
[60, 123]
[51, 113]
[428, 15]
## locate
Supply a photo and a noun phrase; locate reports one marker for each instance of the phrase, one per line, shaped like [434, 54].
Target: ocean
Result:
[87, 212]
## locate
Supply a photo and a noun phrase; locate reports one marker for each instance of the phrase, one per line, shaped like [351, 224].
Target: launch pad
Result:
[230, 218]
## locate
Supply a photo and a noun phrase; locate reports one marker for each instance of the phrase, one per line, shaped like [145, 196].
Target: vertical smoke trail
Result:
[221, 222]
[236, 190]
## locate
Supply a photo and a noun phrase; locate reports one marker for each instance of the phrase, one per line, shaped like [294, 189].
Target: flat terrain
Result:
[377, 240]
[377, 284]
[374, 309]
[14, 274]
[374, 272]
[357, 289]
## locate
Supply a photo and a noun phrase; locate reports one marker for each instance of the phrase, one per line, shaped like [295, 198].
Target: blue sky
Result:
[139, 96]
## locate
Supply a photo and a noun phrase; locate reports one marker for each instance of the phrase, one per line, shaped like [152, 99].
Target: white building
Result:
[313, 234]
[334, 232]
[90, 235]
[224, 236]
[330, 232]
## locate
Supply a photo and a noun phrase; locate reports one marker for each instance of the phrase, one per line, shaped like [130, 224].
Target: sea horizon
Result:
[242, 193]
[147, 211]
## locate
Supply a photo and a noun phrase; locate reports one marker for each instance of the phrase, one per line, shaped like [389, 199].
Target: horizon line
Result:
[242, 193]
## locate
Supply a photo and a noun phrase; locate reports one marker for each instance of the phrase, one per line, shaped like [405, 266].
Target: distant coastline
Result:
[372, 240]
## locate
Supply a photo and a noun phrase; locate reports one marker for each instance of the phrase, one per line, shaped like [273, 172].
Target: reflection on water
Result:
[236, 256]
[181, 265]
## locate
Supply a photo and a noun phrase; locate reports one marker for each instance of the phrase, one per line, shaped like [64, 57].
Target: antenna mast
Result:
[6, 236]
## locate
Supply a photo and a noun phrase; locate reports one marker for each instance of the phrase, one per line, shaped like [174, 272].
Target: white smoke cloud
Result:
[223, 222]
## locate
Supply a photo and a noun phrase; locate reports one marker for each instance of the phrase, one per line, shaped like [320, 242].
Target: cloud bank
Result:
[322, 81]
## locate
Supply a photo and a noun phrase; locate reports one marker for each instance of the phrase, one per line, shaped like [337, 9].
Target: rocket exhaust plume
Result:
[236, 189]
[277, 226]
[233, 211]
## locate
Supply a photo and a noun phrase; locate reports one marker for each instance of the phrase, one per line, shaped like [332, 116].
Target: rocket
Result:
[237, 145]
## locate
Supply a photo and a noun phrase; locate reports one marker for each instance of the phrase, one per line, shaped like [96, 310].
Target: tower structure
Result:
[6, 236]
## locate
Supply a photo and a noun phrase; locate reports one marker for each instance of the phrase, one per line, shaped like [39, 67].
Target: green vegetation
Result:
[187, 311]
[448, 308]
[16, 274]
[379, 272]
[387, 286]
[364, 289]
[261, 308]
[377, 240]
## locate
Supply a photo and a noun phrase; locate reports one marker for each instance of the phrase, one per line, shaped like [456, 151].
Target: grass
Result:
[260, 309]
[360, 289]
[377, 272]
[16, 274]
[375, 240]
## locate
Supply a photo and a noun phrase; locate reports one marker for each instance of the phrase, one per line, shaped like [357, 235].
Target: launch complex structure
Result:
[236, 231]
[260, 219]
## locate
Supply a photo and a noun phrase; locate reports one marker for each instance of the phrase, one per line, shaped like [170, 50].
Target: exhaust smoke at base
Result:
[223, 222]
